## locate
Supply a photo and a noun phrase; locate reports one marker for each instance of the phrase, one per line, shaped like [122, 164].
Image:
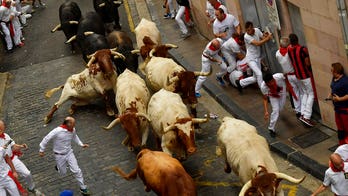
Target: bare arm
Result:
[9, 162]
[319, 190]
[265, 106]
[336, 98]
[262, 41]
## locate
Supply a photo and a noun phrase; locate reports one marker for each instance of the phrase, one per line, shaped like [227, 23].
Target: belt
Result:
[206, 56]
[56, 153]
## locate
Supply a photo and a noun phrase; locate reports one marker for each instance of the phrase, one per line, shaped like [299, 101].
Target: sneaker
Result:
[239, 87]
[198, 95]
[36, 192]
[272, 133]
[173, 16]
[27, 16]
[85, 192]
[220, 80]
[9, 50]
[307, 122]
[22, 39]
[185, 35]
[167, 16]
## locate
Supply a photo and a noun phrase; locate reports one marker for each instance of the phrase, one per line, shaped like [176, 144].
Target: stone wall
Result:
[324, 39]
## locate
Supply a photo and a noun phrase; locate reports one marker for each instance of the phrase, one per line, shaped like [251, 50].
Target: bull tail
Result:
[131, 176]
[49, 93]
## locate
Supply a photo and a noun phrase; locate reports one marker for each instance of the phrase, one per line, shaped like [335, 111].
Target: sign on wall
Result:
[273, 13]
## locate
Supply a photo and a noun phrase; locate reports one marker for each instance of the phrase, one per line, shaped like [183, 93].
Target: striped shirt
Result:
[297, 55]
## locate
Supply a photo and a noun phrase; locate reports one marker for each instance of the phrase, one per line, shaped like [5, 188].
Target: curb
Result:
[292, 155]
[3, 83]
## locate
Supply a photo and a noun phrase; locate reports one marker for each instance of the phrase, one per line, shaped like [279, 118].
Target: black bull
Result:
[108, 11]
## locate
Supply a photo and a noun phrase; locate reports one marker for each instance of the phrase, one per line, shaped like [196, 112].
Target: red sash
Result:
[18, 184]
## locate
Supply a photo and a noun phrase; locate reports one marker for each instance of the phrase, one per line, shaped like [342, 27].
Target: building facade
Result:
[321, 25]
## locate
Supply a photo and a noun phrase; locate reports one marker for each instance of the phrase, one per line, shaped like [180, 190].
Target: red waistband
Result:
[291, 73]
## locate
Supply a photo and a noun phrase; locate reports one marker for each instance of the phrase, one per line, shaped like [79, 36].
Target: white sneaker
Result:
[36, 192]
[27, 16]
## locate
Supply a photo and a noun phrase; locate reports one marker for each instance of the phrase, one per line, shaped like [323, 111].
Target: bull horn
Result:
[117, 2]
[73, 22]
[113, 49]
[151, 52]
[112, 124]
[90, 62]
[88, 33]
[139, 114]
[118, 55]
[199, 73]
[101, 5]
[200, 120]
[91, 55]
[135, 51]
[71, 39]
[245, 188]
[169, 128]
[171, 46]
[289, 178]
[56, 28]
[173, 79]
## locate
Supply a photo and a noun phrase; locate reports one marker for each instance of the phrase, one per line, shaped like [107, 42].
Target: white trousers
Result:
[178, 18]
[171, 6]
[255, 66]
[17, 28]
[277, 104]
[23, 172]
[307, 98]
[70, 160]
[296, 86]
[7, 184]
[206, 64]
[230, 58]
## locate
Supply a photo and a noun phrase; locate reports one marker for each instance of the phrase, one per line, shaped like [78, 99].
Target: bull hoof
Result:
[130, 148]
[47, 120]
[147, 189]
[227, 169]
[110, 112]
[71, 111]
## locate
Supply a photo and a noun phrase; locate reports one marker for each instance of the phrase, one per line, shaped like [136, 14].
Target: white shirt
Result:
[232, 46]
[211, 53]
[339, 185]
[4, 141]
[227, 25]
[62, 140]
[253, 52]
[285, 62]
[4, 168]
[5, 14]
[342, 150]
[280, 80]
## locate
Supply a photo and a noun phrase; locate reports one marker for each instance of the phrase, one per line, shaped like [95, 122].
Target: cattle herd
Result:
[112, 65]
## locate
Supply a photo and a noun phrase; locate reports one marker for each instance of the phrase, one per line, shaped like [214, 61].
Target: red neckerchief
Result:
[223, 18]
[211, 47]
[2, 135]
[66, 127]
[217, 5]
[187, 14]
[274, 90]
[237, 40]
[16, 153]
[283, 51]
[4, 4]
[335, 169]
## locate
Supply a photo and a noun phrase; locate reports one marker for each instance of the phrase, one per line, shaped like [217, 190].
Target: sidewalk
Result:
[248, 106]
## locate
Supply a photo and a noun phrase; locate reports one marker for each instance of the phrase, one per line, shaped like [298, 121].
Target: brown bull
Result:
[162, 174]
